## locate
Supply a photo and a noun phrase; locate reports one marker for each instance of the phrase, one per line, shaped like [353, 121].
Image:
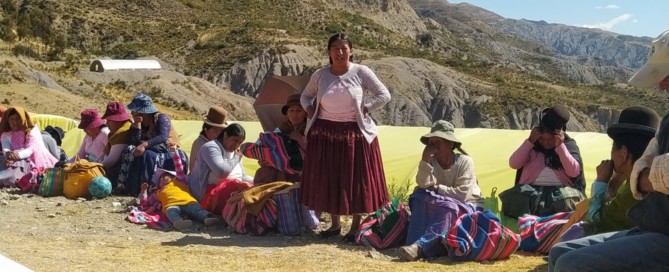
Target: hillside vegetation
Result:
[502, 73]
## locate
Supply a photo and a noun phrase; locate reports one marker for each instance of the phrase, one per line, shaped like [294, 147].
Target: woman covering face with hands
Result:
[549, 167]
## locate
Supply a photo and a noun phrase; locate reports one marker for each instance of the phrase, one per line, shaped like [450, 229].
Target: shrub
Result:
[400, 190]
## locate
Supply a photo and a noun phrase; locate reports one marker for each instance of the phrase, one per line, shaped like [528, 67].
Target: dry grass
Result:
[94, 236]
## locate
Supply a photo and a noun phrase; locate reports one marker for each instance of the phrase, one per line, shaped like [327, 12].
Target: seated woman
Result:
[550, 170]
[214, 123]
[148, 150]
[291, 135]
[118, 122]
[25, 154]
[447, 188]
[97, 134]
[610, 200]
[218, 169]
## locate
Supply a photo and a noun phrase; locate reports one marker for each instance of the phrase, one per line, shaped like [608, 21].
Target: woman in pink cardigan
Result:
[550, 170]
[24, 154]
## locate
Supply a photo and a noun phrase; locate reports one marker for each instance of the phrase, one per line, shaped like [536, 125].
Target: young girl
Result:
[174, 196]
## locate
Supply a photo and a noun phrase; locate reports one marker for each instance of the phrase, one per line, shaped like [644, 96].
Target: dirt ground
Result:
[58, 234]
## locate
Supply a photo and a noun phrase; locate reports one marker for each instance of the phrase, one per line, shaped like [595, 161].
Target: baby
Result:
[174, 196]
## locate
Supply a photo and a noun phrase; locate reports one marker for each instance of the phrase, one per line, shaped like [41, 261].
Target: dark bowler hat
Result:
[635, 120]
[554, 119]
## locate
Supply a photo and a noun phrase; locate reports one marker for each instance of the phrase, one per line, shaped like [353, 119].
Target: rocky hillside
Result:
[439, 60]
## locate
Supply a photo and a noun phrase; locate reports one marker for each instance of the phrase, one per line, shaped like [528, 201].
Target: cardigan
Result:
[358, 80]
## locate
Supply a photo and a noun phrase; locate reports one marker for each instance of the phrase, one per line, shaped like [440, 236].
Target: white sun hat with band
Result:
[657, 66]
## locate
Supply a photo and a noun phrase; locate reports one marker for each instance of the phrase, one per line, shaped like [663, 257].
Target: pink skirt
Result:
[343, 174]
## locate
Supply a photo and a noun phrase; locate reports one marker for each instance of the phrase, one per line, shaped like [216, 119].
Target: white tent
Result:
[106, 65]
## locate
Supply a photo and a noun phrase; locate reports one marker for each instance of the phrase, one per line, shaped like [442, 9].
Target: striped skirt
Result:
[342, 174]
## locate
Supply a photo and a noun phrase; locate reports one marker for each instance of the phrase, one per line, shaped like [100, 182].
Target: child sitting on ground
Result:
[174, 196]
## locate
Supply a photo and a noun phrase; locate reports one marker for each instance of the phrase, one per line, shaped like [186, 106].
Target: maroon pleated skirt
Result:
[342, 174]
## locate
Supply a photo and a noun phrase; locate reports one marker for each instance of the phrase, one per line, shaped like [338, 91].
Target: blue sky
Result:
[631, 17]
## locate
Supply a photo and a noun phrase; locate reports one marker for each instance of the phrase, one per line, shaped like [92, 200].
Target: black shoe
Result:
[329, 233]
[349, 237]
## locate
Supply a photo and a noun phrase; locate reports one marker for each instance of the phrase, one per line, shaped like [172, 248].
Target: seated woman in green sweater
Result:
[611, 195]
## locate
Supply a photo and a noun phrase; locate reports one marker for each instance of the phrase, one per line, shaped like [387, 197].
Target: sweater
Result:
[212, 167]
[532, 163]
[459, 181]
[358, 81]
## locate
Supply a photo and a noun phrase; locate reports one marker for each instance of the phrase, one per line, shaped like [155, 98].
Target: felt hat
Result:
[142, 103]
[90, 118]
[116, 112]
[635, 120]
[554, 119]
[657, 66]
[442, 129]
[293, 100]
[56, 133]
[216, 117]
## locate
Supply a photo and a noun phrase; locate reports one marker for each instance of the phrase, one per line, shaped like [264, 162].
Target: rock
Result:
[81, 199]
[40, 209]
[51, 215]
[14, 197]
[59, 204]
[116, 204]
[59, 213]
[4, 202]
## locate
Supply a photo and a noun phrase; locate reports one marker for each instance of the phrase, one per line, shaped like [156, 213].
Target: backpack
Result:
[79, 176]
[386, 227]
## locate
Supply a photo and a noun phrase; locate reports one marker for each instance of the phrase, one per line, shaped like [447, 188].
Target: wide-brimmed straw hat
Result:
[216, 117]
[293, 100]
[142, 103]
[635, 120]
[442, 129]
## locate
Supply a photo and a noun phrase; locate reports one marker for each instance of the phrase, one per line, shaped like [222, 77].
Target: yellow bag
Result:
[79, 175]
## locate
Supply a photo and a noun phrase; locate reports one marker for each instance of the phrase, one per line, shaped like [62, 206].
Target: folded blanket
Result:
[272, 148]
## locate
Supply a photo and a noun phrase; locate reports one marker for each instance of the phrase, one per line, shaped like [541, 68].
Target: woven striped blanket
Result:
[538, 234]
[271, 148]
[480, 236]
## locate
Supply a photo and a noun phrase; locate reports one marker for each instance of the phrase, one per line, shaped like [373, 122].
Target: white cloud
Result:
[611, 23]
[609, 6]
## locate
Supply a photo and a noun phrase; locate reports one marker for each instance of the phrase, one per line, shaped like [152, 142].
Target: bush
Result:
[401, 190]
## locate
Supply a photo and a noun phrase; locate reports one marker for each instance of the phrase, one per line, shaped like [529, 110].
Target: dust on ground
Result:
[59, 234]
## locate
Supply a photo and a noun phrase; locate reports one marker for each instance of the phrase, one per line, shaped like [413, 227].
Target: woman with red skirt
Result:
[343, 171]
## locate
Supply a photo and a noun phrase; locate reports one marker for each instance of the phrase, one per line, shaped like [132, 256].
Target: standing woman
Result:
[343, 171]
